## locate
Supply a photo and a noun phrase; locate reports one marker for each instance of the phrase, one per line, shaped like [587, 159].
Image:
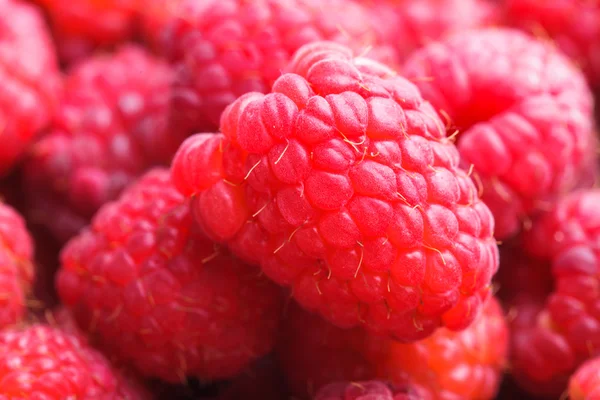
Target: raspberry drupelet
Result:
[369, 390]
[83, 26]
[342, 185]
[464, 365]
[31, 82]
[157, 294]
[573, 25]
[524, 113]
[564, 331]
[222, 49]
[110, 128]
[44, 362]
[16, 268]
[585, 382]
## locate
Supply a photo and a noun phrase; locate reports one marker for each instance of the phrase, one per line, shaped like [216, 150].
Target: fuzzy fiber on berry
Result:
[31, 82]
[342, 184]
[44, 362]
[566, 331]
[111, 127]
[158, 294]
[524, 113]
[82, 26]
[369, 390]
[585, 382]
[573, 25]
[222, 49]
[464, 365]
[16, 268]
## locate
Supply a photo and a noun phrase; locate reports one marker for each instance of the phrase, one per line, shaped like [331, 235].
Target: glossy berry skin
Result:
[83, 26]
[369, 390]
[585, 382]
[16, 268]
[31, 82]
[572, 25]
[110, 128]
[222, 49]
[524, 113]
[342, 185]
[44, 362]
[156, 293]
[447, 365]
[565, 330]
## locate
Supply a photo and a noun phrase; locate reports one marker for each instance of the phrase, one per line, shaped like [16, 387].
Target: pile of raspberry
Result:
[299, 199]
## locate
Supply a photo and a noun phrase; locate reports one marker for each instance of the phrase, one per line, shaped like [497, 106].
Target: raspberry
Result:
[370, 390]
[341, 184]
[524, 112]
[222, 49]
[43, 362]
[111, 127]
[574, 25]
[565, 331]
[16, 269]
[30, 79]
[156, 293]
[585, 383]
[82, 26]
[447, 365]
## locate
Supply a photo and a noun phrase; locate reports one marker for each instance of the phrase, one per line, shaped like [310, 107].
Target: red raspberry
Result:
[30, 79]
[448, 365]
[225, 48]
[16, 269]
[574, 25]
[566, 331]
[341, 184]
[156, 293]
[44, 362]
[524, 112]
[111, 127]
[82, 26]
[369, 390]
[585, 383]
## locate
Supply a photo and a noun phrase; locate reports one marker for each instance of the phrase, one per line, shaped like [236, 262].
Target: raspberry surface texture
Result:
[156, 293]
[370, 390]
[83, 26]
[342, 184]
[448, 365]
[585, 383]
[43, 362]
[222, 49]
[524, 113]
[573, 25]
[565, 330]
[110, 128]
[31, 82]
[16, 268]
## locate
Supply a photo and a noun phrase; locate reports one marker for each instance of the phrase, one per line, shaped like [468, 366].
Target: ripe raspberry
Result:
[524, 113]
[574, 25]
[82, 26]
[111, 127]
[369, 390]
[566, 331]
[16, 269]
[157, 294]
[419, 22]
[44, 362]
[222, 49]
[341, 184]
[585, 383]
[448, 365]
[30, 79]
